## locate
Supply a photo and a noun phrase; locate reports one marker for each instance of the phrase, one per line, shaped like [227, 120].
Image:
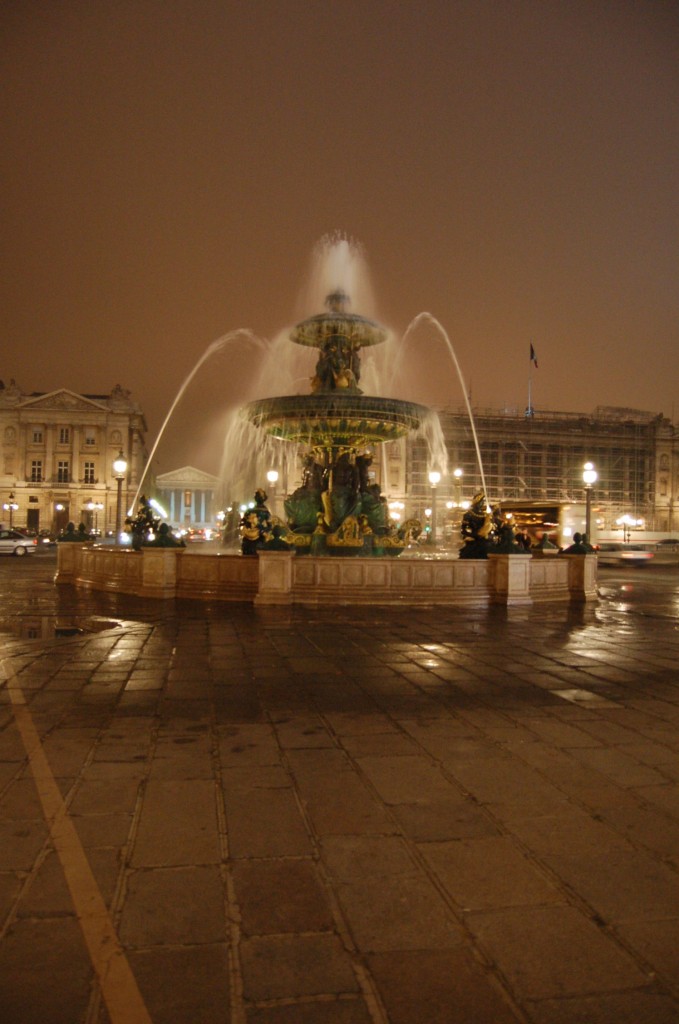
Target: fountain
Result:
[337, 509]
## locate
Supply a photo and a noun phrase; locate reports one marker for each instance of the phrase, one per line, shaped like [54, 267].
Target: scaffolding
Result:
[541, 458]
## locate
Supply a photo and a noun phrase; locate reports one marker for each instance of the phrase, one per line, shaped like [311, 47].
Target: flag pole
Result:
[532, 360]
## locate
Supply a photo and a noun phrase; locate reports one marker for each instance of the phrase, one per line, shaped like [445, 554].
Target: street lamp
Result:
[119, 470]
[272, 477]
[94, 507]
[589, 478]
[434, 479]
[10, 506]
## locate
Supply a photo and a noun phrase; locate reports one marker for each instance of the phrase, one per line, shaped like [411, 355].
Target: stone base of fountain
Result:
[282, 578]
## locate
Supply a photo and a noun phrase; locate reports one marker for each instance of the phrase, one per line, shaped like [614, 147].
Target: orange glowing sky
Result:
[510, 167]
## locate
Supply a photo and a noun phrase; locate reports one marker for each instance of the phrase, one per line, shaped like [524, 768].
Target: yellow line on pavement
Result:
[118, 985]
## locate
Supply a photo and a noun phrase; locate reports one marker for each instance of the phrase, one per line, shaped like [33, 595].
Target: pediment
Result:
[62, 399]
[187, 478]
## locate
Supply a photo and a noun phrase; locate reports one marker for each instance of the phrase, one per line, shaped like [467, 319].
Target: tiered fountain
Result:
[337, 509]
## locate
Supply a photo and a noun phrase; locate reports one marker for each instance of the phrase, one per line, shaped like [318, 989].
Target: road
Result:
[338, 816]
[30, 604]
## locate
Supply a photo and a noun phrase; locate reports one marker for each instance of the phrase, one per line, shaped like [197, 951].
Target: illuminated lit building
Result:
[188, 497]
[541, 457]
[57, 456]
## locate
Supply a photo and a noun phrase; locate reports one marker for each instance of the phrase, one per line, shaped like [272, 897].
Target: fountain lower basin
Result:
[282, 578]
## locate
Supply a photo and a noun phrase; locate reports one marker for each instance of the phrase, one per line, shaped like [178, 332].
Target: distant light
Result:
[158, 507]
[434, 477]
[120, 464]
[589, 474]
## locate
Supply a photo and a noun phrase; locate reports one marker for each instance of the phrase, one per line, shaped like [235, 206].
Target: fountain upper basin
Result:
[336, 419]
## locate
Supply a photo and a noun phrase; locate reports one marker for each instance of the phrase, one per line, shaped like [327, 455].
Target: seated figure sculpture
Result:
[476, 529]
[255, 525]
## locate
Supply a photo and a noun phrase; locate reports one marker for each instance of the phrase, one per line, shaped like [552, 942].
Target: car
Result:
[12, 542]
[668, 544]
[613, 553]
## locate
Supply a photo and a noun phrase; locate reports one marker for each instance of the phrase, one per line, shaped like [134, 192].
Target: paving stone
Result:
[265, 823]
[45, 973]
[615, 764]
[178, 824]
[367, 856]
[182, 756]
[169, 906]
[339, 805]
[103, 830]
[636, 1007]
[546, 952]
[457, 818]
[619, 882]
[403, 912]
[200, 990]
[248, 744]
[116, 795]
[656, 941]
[20, 843]
[337, 1011]
[276, 967]
[438, 987]
[20, 800]
[407, 779]
[489, 872]
[10, 886]
[277, 896]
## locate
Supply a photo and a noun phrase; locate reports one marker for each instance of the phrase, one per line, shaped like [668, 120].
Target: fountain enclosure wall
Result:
[282, 578]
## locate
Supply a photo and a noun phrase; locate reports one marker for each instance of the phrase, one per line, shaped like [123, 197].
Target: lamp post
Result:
[10, 506]
[458, 474]
[589, 478]
[119, 470]
[434, 478]
[94, 507]
[272, 478]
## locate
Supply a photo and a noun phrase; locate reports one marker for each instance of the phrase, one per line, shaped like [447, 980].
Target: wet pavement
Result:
[220, 815]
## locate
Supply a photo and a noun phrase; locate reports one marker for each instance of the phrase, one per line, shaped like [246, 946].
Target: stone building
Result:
[57, 456]
[188, 497]
[540, 457]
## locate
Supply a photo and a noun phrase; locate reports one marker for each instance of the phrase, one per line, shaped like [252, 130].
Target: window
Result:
[90, 437]
[36, 471]
[37, 435]
[64, 435]
[89, 473]
[63, 475]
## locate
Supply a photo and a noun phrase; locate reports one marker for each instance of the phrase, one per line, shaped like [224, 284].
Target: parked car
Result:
[668, 544]
[613, 553]
[12, 542]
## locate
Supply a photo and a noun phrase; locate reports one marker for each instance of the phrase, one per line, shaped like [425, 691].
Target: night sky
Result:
[510, 167]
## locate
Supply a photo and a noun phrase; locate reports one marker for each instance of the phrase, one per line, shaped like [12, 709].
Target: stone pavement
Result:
[216, 815]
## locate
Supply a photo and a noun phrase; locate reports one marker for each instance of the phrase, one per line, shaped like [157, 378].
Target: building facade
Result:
[188, 497]
[57, 457]
[541, 457]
